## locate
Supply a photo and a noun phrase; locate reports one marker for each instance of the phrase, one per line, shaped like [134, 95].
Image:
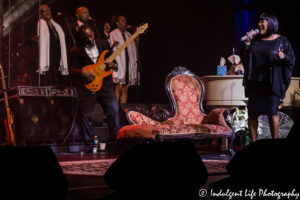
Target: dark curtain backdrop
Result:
[186, 33]
[191, 33]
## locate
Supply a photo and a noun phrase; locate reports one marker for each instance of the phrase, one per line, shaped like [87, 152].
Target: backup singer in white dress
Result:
[127, 74]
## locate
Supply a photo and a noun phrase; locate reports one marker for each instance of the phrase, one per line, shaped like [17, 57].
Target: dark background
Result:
[194, 34]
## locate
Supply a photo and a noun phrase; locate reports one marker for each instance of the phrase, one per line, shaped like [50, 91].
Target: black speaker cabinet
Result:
[46, 120]
[31, 173]
[268, 162]
[157, 168]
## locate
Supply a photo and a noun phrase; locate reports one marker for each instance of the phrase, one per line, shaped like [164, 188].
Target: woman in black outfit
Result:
[268, 59]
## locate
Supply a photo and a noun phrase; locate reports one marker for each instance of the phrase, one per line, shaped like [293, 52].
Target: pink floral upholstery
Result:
[186, 92]
[138, 118]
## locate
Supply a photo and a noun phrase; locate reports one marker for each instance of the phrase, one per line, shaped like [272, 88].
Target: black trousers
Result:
[88, 104]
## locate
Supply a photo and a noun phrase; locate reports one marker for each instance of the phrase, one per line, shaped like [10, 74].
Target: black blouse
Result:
[53, 76]
[263, 66]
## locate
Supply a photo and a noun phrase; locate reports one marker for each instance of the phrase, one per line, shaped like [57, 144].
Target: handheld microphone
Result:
[60, 14]
[130, 27]
[256, 31]
[2, 26]
[92, 19]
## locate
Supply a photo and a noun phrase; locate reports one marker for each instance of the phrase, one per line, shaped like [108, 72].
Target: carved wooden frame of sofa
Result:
[186, 92]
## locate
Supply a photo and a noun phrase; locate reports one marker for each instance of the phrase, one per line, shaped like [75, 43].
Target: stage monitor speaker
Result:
[295, 130]
[267, 162]
[45, 120]
[31, 173]
[158, 167]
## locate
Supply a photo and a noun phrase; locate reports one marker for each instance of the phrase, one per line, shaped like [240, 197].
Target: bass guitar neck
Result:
[99, 68]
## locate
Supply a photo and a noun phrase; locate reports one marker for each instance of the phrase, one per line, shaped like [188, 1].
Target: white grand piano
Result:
[228, 90]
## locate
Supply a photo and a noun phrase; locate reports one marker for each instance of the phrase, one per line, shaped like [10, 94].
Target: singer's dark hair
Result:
[114, 20]
[272, 22]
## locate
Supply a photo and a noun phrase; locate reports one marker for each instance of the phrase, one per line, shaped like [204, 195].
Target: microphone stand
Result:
[138, 71]
[39, 40]
[69, 28]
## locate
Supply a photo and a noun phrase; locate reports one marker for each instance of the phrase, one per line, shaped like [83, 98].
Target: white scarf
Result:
[44, 50]
[116, 35]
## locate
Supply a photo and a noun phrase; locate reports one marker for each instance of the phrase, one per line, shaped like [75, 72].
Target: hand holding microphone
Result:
[130, 27]
[90, 19]
[249, 36]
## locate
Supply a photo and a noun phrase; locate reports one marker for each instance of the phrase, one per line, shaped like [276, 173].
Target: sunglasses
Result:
[45, 9]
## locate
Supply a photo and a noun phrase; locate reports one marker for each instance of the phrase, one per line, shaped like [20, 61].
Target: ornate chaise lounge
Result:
[186, 92]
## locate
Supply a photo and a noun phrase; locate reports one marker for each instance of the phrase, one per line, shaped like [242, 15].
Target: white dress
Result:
[119, 76]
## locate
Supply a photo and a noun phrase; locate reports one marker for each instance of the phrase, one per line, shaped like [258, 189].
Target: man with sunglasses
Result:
[53, 63]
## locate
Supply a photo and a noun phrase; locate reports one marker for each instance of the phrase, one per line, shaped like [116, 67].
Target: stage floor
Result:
[93, 186]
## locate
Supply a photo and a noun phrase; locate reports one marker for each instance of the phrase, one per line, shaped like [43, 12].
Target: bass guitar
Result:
[99, 68]
[10, 138]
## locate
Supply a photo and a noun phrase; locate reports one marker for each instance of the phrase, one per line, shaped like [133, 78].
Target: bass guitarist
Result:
[87, 52]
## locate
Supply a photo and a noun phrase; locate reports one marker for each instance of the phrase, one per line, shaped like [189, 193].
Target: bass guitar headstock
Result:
[141, 29]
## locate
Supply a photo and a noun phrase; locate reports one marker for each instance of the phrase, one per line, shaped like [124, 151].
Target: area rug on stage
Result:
[99, 167]
[86, 167]
[216, 166]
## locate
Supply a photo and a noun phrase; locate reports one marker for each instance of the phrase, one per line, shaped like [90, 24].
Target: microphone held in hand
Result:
[256, 31]
[91, 19]
[60, 14]
[130, 27]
